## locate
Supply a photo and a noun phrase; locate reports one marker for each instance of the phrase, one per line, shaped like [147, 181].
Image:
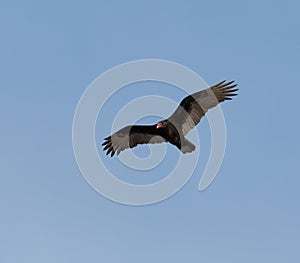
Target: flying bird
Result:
[173, 130]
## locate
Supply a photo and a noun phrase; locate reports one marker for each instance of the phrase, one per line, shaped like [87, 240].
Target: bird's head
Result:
[161, 124]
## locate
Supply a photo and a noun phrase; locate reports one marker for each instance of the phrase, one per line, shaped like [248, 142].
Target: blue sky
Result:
[50, 53]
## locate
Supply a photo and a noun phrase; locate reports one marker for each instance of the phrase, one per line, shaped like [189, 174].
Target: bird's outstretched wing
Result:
[131, 136]
[193, 107]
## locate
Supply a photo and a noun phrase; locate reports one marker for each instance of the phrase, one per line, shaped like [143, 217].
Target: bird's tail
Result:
[187, 146]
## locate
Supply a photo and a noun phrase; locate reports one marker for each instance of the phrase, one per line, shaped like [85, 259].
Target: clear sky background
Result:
[51, 51]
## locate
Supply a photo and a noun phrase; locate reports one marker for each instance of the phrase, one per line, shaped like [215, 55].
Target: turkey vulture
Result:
[188, 114]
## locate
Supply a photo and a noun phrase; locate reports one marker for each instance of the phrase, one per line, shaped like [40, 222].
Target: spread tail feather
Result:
[187, 146]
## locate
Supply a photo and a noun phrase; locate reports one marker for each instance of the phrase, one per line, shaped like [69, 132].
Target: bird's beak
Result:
[159, 125]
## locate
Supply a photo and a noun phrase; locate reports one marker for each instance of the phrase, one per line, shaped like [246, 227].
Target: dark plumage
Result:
[188, 114]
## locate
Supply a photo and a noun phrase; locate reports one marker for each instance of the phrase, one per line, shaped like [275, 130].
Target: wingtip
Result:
[220, 83]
